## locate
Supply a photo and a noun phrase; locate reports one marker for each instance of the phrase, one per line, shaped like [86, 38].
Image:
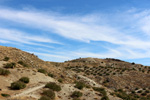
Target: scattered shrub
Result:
[5, 95]
[140, 91]
[24, 79]
[6, 59]
[76, 94]
[10, 65]
[104, 98]
[44, 98]
[42, 71]
[49, 93]
[125, 96]
[101, 90]
[4, 72]
[80, 85]
[60, 80]
[50, 74]
[17, 85]
[23, 64]
[53, 86]
[76, 99]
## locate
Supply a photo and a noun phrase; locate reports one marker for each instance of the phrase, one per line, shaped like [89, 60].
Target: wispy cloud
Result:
[11, 35]
[127, 30]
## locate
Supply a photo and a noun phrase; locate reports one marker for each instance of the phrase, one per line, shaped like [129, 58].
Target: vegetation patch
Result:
[100, 90]
[23, 64]
[44, 98]
[50, 74]
[6, 59]
[10, 65]
[76, 94]
[4, 71]
[17, 85]
[80, 85]
[53, 86]
[42, 71]
[48, 94]
[5, 95]
[60, 80]
[24, 79]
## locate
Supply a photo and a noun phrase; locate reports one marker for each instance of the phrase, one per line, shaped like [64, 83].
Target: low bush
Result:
[23, 64]
[125, 96]
[49, 93]
[53, 86]
[4, 72]
[60, 80]
[10, 65]
[24, 79]
[5, 95]
[101, 90]
[42, 71]
[80, 85]
[105, 98]
[50, 74]
[6, 59]
[76, 99]
[76, 94]
[17, 85]
[44, 98]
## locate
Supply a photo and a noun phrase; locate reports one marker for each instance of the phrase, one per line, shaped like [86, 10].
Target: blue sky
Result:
[60, 30]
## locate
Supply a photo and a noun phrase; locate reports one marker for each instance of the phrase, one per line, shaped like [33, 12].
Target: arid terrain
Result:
[78, 79]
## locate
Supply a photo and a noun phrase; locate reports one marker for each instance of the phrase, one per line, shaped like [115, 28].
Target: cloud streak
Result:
[86, 28]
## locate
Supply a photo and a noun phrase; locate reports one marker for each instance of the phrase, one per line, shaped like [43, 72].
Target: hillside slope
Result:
[91, 78]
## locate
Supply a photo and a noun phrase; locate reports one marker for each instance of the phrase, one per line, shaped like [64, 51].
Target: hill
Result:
[78, 79]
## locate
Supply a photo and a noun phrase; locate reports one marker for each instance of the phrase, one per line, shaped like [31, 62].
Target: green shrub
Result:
[53, 86]
[23, 64]
[6, 59]
[45, 98]
[50, 74]
[17, 85]
[5, 95]
[105, 98]
[10, 65]
[76, 94]
[125, 96]
[42, 71]
[80, 85]
[49, 93]
[60, 80]
[4, 72]
[101, 90]
[24, 79]
[76, 99]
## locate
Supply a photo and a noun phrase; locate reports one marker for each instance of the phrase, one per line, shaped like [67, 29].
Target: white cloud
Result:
[10, 35]
[86, 28]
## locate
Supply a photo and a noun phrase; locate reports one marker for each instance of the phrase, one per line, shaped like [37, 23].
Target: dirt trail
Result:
[30, 90]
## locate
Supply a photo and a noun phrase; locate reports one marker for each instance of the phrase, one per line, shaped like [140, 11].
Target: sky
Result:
[61, 30]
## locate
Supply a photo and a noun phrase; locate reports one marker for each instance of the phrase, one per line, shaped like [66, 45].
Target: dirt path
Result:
[30, 90]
